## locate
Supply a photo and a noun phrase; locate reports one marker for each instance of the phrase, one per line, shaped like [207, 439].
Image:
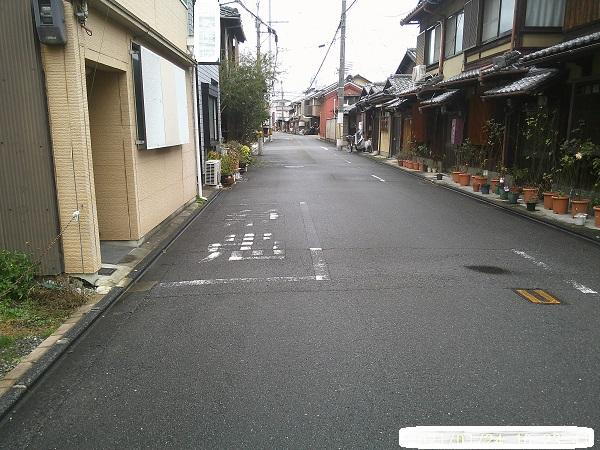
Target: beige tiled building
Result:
[104, 167]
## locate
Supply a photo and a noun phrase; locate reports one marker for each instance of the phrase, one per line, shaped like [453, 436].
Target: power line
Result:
[329, 48]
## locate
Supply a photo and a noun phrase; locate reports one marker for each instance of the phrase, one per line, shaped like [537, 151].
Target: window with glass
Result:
[212, 118]
[432, 43]
[545, 13]
[454, 34]
[497, 18]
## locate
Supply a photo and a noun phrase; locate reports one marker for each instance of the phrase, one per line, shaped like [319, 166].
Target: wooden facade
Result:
[581, 13]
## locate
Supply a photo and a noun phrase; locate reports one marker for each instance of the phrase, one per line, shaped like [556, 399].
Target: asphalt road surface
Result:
[328, 301]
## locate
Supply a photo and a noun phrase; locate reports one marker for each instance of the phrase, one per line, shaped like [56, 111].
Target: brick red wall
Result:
[329, 104]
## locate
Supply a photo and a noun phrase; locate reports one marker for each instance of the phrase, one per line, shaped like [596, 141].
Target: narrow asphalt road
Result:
[328, 301]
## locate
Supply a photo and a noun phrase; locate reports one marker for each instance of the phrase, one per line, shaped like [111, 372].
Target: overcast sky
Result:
[374, 47]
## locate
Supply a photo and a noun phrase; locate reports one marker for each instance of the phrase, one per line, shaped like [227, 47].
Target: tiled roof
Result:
[227, 12]
[463, 76]
[528, 84]
[395, 103]
[579, 42]
[414, 11]
[399, 83]
[441, 98]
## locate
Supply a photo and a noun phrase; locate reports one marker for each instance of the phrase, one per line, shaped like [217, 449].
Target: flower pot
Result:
[504, 194]
[548, 199]
[485, 189]
[227, 180]
[455, 176]
[464, 179]
[476, 185]
[531, 206]
[420, 167]
[530, 195]
[597, 216]
[513, 197]
[580, 206]
[560, 205]
[494, 184]
[439, 176]
[425, 168]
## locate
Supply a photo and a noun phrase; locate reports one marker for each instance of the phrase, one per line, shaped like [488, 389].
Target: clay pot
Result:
[580, 206]
[476, 183]
[493, 184]
[455, 176]
[420, 167]
[464, 179]
[548, 199]
[227, 180]
[597, 216]
[560, 205]
[530, 195]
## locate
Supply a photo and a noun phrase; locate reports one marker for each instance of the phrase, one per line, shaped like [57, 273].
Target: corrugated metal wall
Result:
[28, 209]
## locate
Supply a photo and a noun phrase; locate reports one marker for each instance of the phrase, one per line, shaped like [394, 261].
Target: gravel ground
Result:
[21, 349]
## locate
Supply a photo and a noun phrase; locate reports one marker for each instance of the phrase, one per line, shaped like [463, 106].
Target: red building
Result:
[329, 108]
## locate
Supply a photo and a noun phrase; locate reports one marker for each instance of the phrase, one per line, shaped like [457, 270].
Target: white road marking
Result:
[257, 252]
[319, 264]
[176, 284]
[245, 247]
[235, 256]
[349, 162]
[324, 148]
[293, 167]
[380, 179]
[212, 256]
[541, 264]
[580, 287]
[273, 216]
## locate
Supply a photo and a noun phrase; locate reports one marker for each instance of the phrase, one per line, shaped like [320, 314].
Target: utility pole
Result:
[282, 106]
[342, 79]
[260, 137]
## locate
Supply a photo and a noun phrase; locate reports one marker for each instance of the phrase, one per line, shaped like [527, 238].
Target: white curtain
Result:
[545, 13]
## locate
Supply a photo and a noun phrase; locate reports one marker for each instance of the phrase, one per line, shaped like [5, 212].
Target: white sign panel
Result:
[165, 101]
[207, 31]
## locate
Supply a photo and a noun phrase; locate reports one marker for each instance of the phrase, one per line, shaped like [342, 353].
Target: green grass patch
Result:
[38, 315]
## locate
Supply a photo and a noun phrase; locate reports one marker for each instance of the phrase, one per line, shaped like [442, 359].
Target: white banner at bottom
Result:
[526, 437]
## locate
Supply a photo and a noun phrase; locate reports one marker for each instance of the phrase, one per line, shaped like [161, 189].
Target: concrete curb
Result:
[589, 236]
[32, 372]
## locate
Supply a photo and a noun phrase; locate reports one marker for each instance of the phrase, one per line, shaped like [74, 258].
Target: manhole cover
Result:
[488, 269]
[106, 271]
[538, 296]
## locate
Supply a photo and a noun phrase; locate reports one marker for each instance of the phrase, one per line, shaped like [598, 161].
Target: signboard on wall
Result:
[207, 31]
[165, 101]
[456, 132]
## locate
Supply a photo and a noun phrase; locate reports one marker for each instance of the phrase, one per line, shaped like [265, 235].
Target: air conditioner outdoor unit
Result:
[418, 73]
[212, 177]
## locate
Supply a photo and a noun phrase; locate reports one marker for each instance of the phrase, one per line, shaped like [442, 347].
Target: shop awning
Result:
[440, 99]
[529, 84]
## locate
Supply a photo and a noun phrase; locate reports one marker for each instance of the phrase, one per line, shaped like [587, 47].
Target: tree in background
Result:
[245, 95]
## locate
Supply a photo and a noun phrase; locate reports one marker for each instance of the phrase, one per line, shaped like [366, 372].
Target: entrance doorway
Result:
[112, 158]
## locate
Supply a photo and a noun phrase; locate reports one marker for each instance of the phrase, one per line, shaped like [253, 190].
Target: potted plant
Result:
[560, 203]
[227, 170]
[579, 205]
[246, 157]
[596, 206]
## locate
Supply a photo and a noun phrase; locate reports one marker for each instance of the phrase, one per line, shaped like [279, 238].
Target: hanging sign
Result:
[207, 31]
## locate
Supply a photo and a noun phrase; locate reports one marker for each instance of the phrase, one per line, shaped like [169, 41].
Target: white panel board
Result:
[165, 101]
[153, 99]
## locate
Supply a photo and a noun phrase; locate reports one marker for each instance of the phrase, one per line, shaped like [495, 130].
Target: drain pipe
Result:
[199, 153]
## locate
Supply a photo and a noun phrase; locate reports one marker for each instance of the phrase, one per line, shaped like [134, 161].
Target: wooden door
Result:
[396, 135]
[406, 134]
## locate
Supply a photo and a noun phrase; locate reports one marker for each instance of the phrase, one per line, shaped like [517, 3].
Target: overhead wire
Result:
[329, 48]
